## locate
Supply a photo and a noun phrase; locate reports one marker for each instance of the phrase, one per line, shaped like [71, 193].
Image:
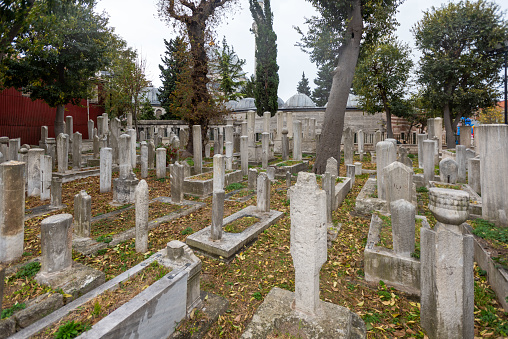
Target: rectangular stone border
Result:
[381, 263]
[88, 246]
[280, 171]
[204, 188]
[497, 276]
[76, 175]
[365, 204]
[153, 313]
[341, 191]
[231, 243]
[63, 311]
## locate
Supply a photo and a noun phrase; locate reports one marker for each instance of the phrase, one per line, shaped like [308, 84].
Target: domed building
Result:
[246, 104]
[299, 100]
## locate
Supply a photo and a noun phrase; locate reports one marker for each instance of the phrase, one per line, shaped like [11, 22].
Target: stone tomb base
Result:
[231, 243]
[277, 316]
[75, 281]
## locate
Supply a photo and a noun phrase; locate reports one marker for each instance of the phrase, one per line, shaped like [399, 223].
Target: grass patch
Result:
[235, 186]
[10, 311]
[28, 271]
[449, 186]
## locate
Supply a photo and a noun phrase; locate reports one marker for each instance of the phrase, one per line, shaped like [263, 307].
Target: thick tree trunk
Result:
[59, 120]
[389, 131]
[333, 124]
[450, 135]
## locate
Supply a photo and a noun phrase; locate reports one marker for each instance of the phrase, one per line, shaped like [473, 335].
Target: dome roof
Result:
[280, 102]
[246, 103]
[299, 100]
[352, 101]
[231, 104]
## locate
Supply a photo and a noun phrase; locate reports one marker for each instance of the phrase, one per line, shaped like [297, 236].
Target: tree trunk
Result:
[450, 135]
[59, 120]
[333, 124]
[389, 131]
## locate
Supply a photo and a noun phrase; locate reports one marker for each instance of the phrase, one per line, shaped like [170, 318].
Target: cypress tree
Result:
[267, 79]
[303, 86]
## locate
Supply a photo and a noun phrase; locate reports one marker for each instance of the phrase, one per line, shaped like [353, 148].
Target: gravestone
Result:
[62, 152]
[141, 206]
[244, 154]
[177, 178]
[96, 147]
[448, 171]
[385, 155]
[82, 214]
[218, 172]
[106, 169]
[46, 174]
[398, 180]
[229, 155]
[460, 157]
[288, 179]
[12, 210]
[197, 147]
[348, 146]
[217, 215]
[252, 178]
[265, 146]
[77, 148]
[297, 140]
[263, 193]
[351, 173]
[34, 172]
[56, 245]
[465, 136]
[144, 159]
[429, 150]
[473, 171]
[125, 185]
[207, 150]
[403, 215]
[151, 154]
[266, 122]
[90, 126]
[69, 128]
[285, 145]
[361, 141]
[358, 170]
[14, 146]
[4, 147]
[328, 184]
[332, 166]
[132, 146]
[161, 162]
[270, 172]
[447, 263]
[420, 138]
[56, 193]
[404, 158]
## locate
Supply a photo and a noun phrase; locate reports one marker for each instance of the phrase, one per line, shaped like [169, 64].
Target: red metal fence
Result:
[20, 117]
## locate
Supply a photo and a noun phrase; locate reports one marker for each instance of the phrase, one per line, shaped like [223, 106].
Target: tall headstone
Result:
[44, 136]
[474, 178]
[465, 136]
[266, 122]
[297, 140]
[229, 155]
[77, 148]
[312, 129]
[177, 178]
[124, 186]
[385, 155]
[217, 215]
[403, 227]
[14, 146]
[289, 124]
[12, 210]
[129, 120]
[361, 141]
[96, 147]
[69, 128]
[351, 173]
[56, 245]
[56, 193]
[144, 159]
[429, 150]
[398, 181]
[34, 172]
[100, 126]
[114, 134]
[447, 263]
[308, 241]
[142, 201]
[106, 169]
[82, 214]
[377, 137]
[46, 174]
[161, 162]
[328, 184]
[252, 178]
[151, 154]
[285, 145]
[420, 139]
[431, 128]
[263, 193]
[132, 147]
[448, 171]
[218, 172]
[438, 130]
[244, 154]
[62, 152]
[332, 166]
[90, 126]
[4, 147]
[197, 147]
[460, 156]
[348, 146]
[251, 127]
[265, 144]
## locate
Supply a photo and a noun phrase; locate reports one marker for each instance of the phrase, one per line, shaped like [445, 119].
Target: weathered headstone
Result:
[398, 181]
[82, 214]
[403, 215]
[288, 179]
[151, 154]
[266, 122]
[332, 166]
[265, 146]
[96, 147]
[14, 146]
[142, 217]
[46, 174]
[328, 184]
[207, 150]
[263, 193]
[34, 172]
[447, 263]
[132, 148]
[351, 173]
[4, 147]
[429, 150]
[465, 136]
[385, 155]
[348, 146]
[251, 127]
[297, 140]
[56, 245]
[285, 145]
[90, 126]
[473, 171]
[125, 185]
[361, 141]
[460, 157]
[12, 210]
[62, 152]
[77, 148]
[244, 154]
[217, 215]
[270, 172]
[56, 193]
[252, 178]
[229, 155]
[161, 162]
[448, 171]
[69, 127]
[358, 170]
[106, 169]
[197, 147]
[404, 158]
[177, 178]
[420, 138]
[218, 172]
[308, 241]
[144, 159]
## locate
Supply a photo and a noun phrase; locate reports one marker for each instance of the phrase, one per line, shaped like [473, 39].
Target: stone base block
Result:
[77, 174]
[38, 309]
[277, 316]
[93, 162]
[280, 171]
[75, 281]
[204, 188]
[368, 201]
[41, 210]
[7, 328]
[231, 243]
[341, 190]
[124, 191]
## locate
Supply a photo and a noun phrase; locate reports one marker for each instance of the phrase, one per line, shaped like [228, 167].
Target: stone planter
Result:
[367, 200]
[280, 171]
[204, 188]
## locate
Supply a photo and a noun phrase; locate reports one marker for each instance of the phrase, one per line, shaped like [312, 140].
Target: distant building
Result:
[151, 95]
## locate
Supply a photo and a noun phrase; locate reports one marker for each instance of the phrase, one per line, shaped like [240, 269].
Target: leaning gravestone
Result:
[448, 171]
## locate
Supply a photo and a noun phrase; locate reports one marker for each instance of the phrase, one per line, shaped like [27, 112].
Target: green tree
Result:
[13, 15]
[146, 111]
[197, 19]
[340, 30]
[323, 84]
[248, 88]
[303, 86]
[457, 71]
[60, 55]
[228, 67]
[175, 60]
[267, 78]
[381, 79]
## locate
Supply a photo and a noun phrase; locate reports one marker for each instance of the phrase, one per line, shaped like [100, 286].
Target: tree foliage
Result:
[228, 68]
[381, 79]
[59, 55]
[323, 84]
[248, 88]
[13, 15]
[303, 86]
[458, 71]
[267, 78]
[491, 115]
[175, 60]
[196, 18]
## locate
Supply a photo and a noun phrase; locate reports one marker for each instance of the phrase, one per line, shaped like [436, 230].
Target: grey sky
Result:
[141, 27]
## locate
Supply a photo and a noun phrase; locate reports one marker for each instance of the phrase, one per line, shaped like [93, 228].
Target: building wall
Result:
[20, 117]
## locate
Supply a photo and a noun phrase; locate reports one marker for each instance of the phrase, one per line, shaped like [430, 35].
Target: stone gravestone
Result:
[151, 154]
[385, 155]
[398, 181]
[12, 210]
[62, 152]
[82, 214]
[404, 158]
[244, 154]
[218, 172]
[56, 193]
[473, 171]
[420, 138]
[217, 215]
[265, 142]
[96, 147]
[351, 173]
[461, 162]
[328, 184]
[69, 127]
[4, 147]
[106, 169]
[332, 166]
[308, 241]
[428, 161]
[56, 245]
[132, 148]
[34, 172]
[142, 201]
[447, 284]
[297, 140]
[197, 147]
[144, 159]
[465, 136]
[77, 148]
[229, 155]
[448, 171]
[361, 140]
[252, 178]
[348, 146]
[46, 174]
[177, 178]
[90, 126]
[285, 145]
[403, 215]
[263, 193]
[161, 162]
[14, 146]
[125, 185]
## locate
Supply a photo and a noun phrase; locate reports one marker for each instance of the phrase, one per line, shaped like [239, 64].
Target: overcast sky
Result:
[141, 27]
